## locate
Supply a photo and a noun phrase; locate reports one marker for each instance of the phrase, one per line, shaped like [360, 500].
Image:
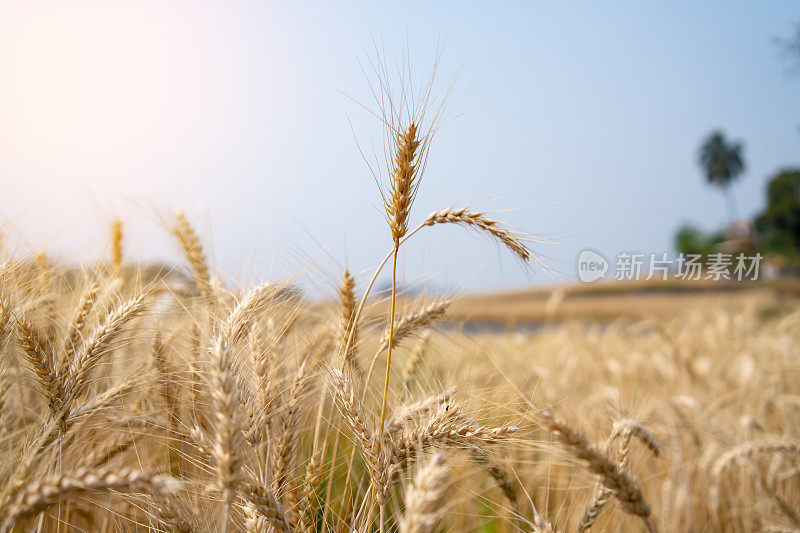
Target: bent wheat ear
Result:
[413, 322]
[408, 413]
[39, 496]
[623, 430]
[423, 498]
[624, 488]
[627, 428]
[480, 222]
[749, 449]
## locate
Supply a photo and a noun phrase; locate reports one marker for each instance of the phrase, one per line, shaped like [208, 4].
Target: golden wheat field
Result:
[289, 267]
[136, 399]
[139, 401]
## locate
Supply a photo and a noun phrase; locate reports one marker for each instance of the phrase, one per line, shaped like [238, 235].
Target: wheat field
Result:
[168, 401]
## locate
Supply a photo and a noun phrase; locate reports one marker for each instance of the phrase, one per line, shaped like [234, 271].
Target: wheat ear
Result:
[79, 317]
[623, 430]
[285, 446]
[624, 488]
[246, 312]
[227, 425]
[482, 223]
[423, 498]
[366, 438]
[193, 251]
[348, 328]
[412, 322]
[448, 426]
[415, 359]
[405, 414]
[116, 248]
[41, 495]
[42, 363]
[404, 183]
[98, 342]
[748, 450]
[308, 500]
[266, 505]
[403, 190]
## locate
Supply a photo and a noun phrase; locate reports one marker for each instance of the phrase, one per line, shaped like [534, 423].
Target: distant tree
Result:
[779, 224]
[791, 48]
[722, 163]
[690, 240]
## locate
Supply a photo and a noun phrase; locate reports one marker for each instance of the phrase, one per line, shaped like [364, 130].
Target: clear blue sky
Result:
[582, 119]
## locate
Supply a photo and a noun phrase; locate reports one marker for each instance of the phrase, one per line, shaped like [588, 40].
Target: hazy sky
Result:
[582, 119]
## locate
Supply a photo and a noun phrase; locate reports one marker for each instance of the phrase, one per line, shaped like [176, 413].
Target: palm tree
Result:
[722, 162]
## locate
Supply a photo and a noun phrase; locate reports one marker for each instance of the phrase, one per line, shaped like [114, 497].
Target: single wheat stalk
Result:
[403, 190]
[423, 498]
[482, 223]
